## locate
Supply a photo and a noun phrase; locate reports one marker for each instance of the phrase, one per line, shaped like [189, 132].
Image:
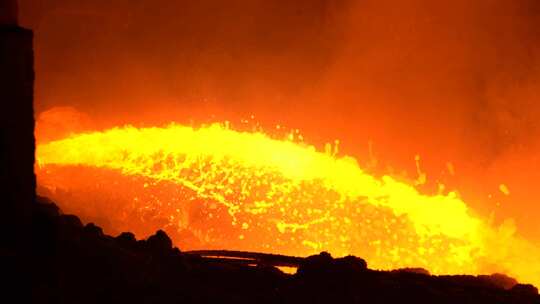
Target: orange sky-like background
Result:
[453, 81]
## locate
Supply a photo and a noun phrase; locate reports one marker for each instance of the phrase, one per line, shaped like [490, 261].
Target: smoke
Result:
[454, 82]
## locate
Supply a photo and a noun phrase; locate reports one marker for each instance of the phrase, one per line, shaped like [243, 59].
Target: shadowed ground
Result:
[76, 263]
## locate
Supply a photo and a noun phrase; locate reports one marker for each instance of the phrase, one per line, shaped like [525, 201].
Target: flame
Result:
[249, 191]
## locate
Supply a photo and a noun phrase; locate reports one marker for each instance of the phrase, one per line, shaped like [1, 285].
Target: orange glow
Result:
[214, 187]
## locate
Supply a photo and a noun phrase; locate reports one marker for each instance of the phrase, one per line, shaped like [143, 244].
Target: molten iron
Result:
[213, 187]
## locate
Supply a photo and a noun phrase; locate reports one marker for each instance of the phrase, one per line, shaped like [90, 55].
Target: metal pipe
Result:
[250, 257]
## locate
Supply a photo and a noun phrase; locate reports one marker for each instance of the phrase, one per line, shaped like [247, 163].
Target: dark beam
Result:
[250, 257]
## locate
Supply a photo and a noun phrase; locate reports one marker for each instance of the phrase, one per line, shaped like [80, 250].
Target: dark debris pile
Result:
[76, 263]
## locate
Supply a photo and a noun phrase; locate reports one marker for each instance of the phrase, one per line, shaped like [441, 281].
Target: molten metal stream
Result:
[248, 191]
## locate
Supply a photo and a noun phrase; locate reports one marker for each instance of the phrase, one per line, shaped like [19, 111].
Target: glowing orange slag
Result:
[248, 191]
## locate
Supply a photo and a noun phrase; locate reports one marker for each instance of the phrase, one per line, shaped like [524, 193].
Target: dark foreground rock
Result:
[76, 263]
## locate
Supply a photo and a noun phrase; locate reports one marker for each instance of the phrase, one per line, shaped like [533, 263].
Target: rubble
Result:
[81, 264]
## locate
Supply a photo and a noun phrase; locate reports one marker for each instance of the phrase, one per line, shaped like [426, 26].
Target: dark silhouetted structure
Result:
[80, 264]
[17, 180]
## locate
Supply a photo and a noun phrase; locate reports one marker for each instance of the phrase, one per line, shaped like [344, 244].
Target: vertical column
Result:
[17, 179]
